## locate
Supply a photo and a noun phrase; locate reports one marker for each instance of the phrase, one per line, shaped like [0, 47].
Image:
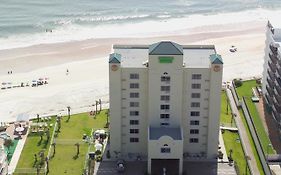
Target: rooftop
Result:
[194, 56]
[156, 133]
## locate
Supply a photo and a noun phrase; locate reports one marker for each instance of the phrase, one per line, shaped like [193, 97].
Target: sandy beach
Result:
[86, 61]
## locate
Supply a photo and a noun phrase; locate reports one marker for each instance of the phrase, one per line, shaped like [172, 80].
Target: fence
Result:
[255, 137]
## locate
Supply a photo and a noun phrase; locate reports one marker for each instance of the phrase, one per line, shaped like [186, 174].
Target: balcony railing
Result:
[278, 72]
[269, 91]
[277, 107]
[274, 48]
[278, 90]
[272, 67]
[278, 99]
[273, 58]
[268, 99]
[270, 83]
[271, 75]
[276, 115]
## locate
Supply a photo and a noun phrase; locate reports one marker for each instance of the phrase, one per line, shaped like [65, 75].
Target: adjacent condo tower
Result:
[271, 84]
[164, 103]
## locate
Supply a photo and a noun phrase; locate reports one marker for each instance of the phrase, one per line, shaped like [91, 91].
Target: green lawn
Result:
[225, 117]
[246, 91]
[33, 146]
[232, 141]
[253, 146]
[64, 161]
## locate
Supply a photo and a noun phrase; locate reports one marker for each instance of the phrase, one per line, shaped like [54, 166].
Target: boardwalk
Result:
[243, 136]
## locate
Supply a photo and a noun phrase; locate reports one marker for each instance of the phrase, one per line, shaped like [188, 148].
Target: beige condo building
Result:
[164, 103]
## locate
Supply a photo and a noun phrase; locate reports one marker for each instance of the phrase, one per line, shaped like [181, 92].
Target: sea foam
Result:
[154, 27]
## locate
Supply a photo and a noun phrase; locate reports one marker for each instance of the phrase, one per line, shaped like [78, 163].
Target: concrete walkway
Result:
[223, 150]
[17, 153]
[243, 136]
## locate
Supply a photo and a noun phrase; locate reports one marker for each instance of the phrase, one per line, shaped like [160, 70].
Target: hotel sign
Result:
[166, 59]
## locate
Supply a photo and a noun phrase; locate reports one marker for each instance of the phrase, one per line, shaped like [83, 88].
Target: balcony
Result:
[279, 72]
[270, 83]
[275, 114]
[269, 91]
[268, 99]
[277, 107]
[278, 90]
[278, 82]
[272, 67]
[274, 47]
[277, 99]
[271, 75]
[273, 58]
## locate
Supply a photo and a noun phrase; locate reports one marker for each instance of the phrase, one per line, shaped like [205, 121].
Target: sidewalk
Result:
[243, 136]
[16, 155]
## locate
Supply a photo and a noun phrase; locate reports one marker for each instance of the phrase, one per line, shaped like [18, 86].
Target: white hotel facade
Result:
[271, 83]
[164, 103]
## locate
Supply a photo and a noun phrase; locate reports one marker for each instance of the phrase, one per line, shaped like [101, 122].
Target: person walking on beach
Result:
[67, 71]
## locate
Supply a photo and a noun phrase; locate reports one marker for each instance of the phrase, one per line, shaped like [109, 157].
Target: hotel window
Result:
[164, 116]
[134, 95]
[134, 139]
[194, 113]
[195, 95]
[134, 104]
[165, 88]
[134, 76]
[165, 98]
[193, 140]
[134, 122]
[194, 122]
[165, 79]
[134, 131]
[164, 107]
[164, 124]
[165, 150]
[195, 104]
[134, 113]
[196, 76]
[196, 86]
[194, 131]
[134, 85]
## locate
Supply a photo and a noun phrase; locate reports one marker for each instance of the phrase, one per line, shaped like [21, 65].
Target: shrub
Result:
[238, 83]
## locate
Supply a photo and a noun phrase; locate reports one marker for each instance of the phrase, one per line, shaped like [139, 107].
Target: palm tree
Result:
[100, 104]
[37, 118]
[41, 154]
[97, 102]
[54, 148]
[48, 134]
[47, 163]
[35, 158]
[68, 111]
[77, 146]
[230, 154]
[41, 135]
[59, 123]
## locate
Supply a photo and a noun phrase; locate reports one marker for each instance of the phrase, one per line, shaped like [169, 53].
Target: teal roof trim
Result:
[165, 48]
[216, 59]
[115, 58]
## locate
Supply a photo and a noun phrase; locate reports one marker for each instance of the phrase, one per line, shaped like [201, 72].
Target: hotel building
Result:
[271, 83]
[164, 103]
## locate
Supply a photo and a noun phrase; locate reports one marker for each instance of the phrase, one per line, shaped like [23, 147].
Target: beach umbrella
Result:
[98, 146]
[41, 79]
[4, 83]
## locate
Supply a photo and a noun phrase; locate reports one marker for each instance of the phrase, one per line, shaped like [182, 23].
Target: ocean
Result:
[30, 22]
